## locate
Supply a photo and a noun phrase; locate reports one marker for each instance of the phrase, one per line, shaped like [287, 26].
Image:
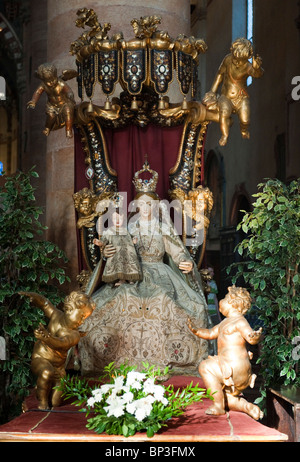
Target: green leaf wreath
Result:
[128, 401]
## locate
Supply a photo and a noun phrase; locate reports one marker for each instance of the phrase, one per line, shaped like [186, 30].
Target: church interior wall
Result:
[278, 41]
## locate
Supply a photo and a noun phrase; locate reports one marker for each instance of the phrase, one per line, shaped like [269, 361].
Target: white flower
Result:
[136, 385]
[90, 402]
[96, 391]
[147, 400]
[118, 385]
[131, 407]
[149, 385]
[105, 388]
[141, 408]
[111, 398]
[156, 390]
[164, 401]
[127, 397]
[97, 395]
[115, 408]
[134, 378]
[159, 392]
[140, 414]
[159, 395]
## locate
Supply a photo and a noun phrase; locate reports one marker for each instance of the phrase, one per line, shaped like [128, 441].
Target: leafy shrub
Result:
[27, 263]
[271, 254]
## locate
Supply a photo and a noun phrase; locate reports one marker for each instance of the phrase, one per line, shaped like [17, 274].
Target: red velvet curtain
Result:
[127, 149]
[129, 146]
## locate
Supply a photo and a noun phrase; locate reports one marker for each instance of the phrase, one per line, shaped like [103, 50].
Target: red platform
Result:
[67, 424]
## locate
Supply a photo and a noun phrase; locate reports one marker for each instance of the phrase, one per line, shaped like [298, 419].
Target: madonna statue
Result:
[146, 320]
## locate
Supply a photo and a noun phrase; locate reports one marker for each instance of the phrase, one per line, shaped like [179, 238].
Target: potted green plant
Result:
[270, 269]
[27, 263]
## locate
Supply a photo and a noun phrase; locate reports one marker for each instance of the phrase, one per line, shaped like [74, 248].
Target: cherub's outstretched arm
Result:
[254, 336]
[208, 334]
[251, 336]
[40, 301]
[35, 97]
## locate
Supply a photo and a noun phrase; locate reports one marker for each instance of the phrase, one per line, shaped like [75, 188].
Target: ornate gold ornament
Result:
[146, 61]
[83, 279]
[196, 205]
[85, 204]
[89, 207]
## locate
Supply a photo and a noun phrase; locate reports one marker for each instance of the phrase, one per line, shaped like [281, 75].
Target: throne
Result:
[111, 141]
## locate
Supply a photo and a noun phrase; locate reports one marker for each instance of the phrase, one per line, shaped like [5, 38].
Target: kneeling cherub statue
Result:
[229, 373]
[53, 343]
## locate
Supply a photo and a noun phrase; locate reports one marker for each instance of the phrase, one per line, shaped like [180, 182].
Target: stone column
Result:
[60, 151]
[34, 142]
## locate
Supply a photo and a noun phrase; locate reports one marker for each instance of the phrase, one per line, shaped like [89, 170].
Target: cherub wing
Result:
[68, 74]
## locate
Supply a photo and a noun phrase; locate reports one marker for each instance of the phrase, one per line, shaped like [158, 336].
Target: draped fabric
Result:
[68, 424]
[128, 148]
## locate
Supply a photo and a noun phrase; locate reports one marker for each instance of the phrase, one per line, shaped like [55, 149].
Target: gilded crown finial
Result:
[147, 185]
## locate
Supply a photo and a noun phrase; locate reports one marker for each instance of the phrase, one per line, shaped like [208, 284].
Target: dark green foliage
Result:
[27, 263]
[271, 270]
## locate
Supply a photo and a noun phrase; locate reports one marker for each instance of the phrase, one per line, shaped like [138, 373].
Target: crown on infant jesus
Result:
[147, 185]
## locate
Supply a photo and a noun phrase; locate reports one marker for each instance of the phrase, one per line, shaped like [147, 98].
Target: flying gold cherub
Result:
[233, 74]
[61, 102]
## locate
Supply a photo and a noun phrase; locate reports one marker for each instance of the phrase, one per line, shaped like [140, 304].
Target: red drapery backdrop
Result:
[127, 149]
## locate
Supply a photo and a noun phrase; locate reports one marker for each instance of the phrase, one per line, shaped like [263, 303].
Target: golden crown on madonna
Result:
[146, 185]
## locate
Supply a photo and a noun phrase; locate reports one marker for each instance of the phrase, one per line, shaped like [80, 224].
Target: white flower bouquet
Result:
[129, 401]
